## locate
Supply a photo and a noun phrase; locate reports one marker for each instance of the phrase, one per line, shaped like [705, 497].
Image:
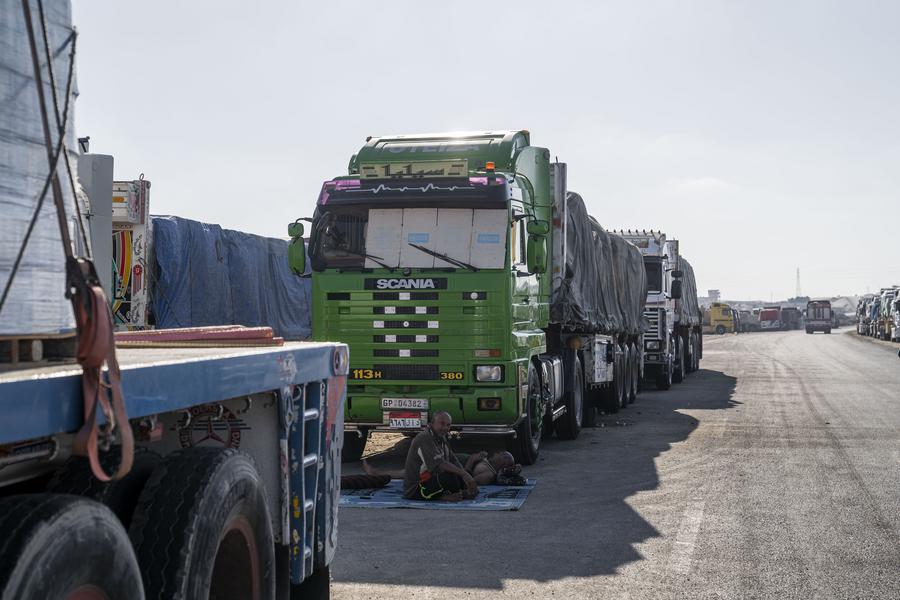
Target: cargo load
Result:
[603, 287]
[207, 275]
[688, 310]
[36, 302]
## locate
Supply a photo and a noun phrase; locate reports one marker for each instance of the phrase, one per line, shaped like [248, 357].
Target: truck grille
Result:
[408, 372]
[652, 315]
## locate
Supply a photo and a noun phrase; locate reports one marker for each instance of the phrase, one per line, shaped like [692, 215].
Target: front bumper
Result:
[460, 431]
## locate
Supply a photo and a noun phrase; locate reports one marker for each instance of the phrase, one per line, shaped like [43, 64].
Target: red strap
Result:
[96, 346]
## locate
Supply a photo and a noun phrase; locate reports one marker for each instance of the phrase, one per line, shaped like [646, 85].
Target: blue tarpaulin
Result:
[206, 275]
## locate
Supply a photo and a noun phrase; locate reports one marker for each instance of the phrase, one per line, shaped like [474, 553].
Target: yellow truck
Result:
[718, 318]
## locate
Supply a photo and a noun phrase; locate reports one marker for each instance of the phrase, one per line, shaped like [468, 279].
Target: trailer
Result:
[233, 492]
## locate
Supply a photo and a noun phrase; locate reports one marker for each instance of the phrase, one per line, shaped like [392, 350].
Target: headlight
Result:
[652, 345]
[489, 373]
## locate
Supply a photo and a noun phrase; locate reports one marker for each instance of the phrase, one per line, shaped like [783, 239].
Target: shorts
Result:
[434, 485]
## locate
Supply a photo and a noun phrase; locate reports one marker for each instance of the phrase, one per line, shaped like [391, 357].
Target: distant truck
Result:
[819, 316]
[749, 321]
[673, 346]
[895, 319]
[791, 318]
[719, 319]
[884, 322]
[770, 318]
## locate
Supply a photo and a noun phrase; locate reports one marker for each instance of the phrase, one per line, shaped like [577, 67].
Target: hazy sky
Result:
[764, 135]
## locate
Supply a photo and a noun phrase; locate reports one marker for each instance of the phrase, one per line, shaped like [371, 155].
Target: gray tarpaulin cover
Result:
[36, 303]
[687, 312]
[604, 283]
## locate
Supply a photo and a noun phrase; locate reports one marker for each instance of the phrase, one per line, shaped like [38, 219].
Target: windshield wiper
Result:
[443, 257]
[369, 256]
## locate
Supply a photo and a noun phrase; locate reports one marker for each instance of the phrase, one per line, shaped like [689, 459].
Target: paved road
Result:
[774, 472]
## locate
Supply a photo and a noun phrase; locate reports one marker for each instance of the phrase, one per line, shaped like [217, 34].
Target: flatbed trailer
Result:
[236, 475]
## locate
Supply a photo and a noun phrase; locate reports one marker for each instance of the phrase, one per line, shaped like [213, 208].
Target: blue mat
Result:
[490, 497]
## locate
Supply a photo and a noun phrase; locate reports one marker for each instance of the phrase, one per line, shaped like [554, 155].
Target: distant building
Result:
[714, 295]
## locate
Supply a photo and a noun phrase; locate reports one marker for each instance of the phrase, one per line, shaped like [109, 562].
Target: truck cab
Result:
[719, 319]
[818, 316]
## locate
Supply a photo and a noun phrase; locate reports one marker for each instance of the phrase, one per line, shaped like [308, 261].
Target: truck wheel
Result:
[569, 425]
[720, 329]
[59, 546]
[121, 496]
[524, 447]
[626, 376]
[315, 587]
[664, 377]
[678, 371]
[354, 445]
[202, 528]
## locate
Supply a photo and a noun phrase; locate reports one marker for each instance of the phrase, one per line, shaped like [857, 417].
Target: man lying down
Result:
[434, 472]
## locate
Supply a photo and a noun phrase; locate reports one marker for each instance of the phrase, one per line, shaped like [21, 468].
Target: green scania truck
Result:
[466, 278]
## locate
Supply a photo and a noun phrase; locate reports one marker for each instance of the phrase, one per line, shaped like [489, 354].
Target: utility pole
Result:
[798, 291]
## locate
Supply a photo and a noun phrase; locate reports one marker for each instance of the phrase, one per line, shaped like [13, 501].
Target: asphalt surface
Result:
[773, 472]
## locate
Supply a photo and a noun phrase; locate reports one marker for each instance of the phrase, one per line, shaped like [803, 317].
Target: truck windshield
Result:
[445, 238]
[654, 276]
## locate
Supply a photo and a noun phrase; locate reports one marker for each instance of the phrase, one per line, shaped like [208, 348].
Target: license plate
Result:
[404, 420]
[416, 403]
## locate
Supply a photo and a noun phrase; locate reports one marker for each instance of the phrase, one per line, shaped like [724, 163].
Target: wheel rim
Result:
[87, 592]
[236, 572]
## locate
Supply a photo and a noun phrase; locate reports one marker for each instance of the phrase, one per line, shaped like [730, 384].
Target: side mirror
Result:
[676, 289]
[677, 274]
[296, 248]
[295, 229]
[538, 227]
[536, 248]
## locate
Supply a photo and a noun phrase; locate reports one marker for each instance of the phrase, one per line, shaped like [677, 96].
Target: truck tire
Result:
[720, 329]
[354, 445]
[121, 496]
[202, 528]
[678, 371]
[59, 546]
[626, 376]
[569, 425]
[525, 446]
[315, 587]
[664, 377]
